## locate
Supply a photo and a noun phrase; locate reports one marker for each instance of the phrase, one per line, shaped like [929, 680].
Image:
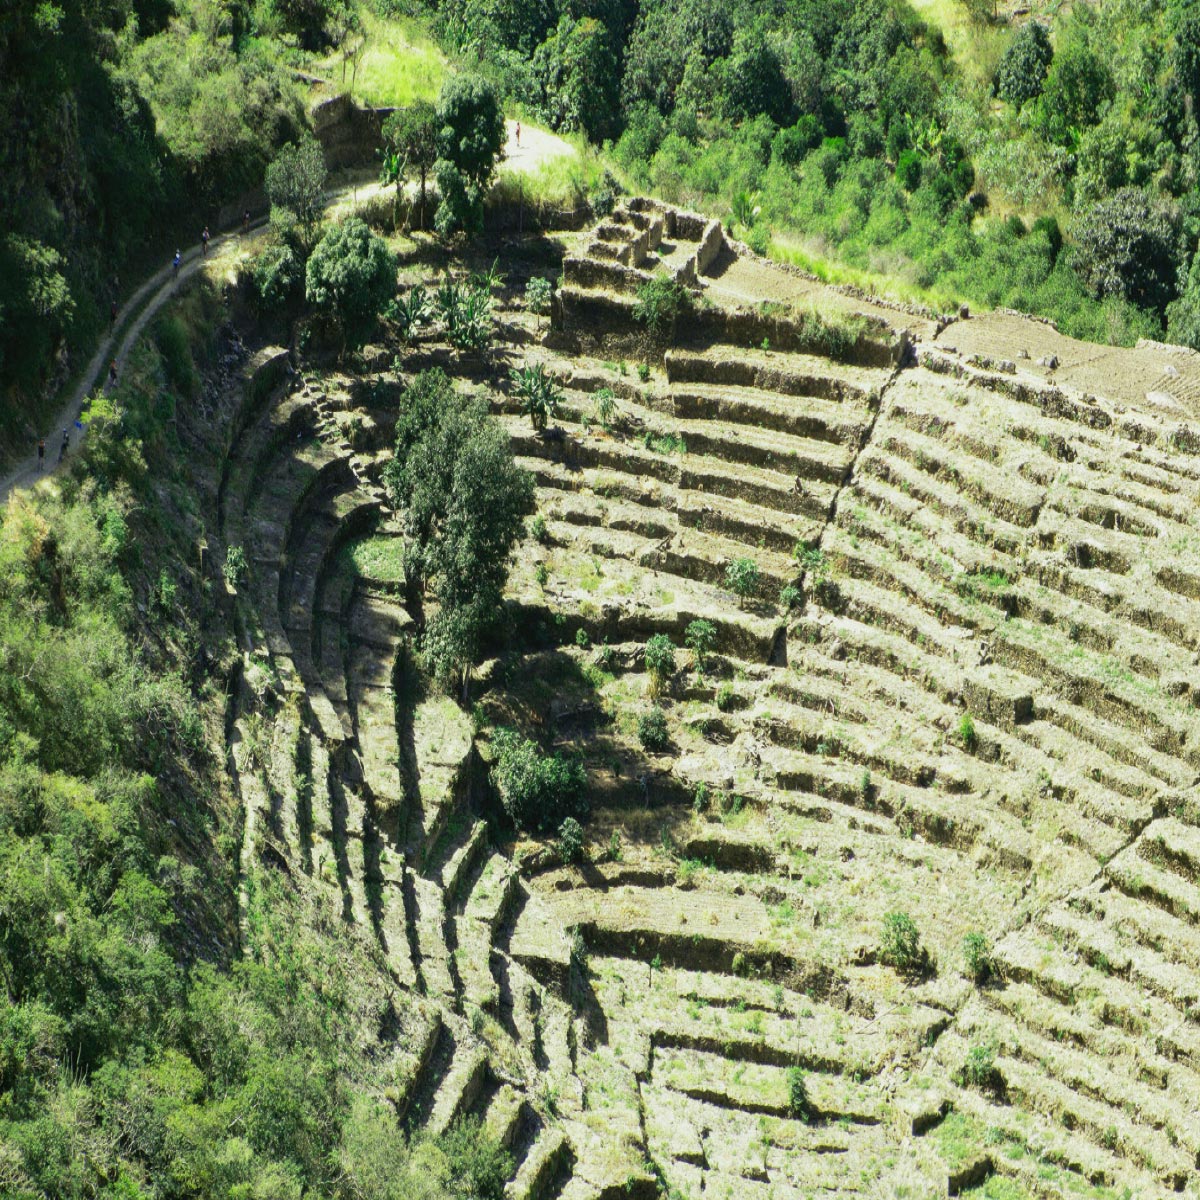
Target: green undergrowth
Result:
[399, 64]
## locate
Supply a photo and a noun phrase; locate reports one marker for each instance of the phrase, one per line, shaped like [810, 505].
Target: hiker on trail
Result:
[112, 316]
[246, 221]
[41, 453]
[62, 450]
[204, 242]
[176, 261]
[518, 133]
[112, 373]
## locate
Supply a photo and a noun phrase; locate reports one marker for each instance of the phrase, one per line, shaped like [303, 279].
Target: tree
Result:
[538, 392]
[470, 128]
[1127, 246]
[410, 137]
[351, 276]
[700, 637]
[296, 182]
[570, 840]
[538, 293]
[659, 656]
[464, 501]
[1077, 84]
[741, 578]
[579, 78]
[1022, 71]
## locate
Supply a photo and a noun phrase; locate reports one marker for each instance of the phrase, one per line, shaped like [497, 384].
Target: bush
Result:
[606, 407]
[1022, 71]
[659, 656]
[967, 734]
[235, 567]
[539, 393]
[900, 943]
[277, 277]
[979, 1067]
[652, 730]
[538, 791]
[660, 302]
[725, 697]
[1127, 246]
[908, 170]
[295, 182]
[570, 840]
[977, 956]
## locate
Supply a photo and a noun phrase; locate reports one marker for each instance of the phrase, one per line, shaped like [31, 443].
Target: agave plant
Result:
[413, 311]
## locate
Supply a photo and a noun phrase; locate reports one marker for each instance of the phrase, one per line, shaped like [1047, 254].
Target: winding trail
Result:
[537, 147]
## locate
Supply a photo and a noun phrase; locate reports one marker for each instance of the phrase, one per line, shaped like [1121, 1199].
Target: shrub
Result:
[967, 734]
[659, 656]
[660, 302]
[900, 943]
[979, 1067]
[741, 578]
[700, 636]
[235, 567]
[643, 371]
[790, 597]
[479, 1165]
[606, 407]
[725, 697]
[652, 730]
[277, 276]
[537, 529]
[798, 1102]
[581, 638]
[977, 956]
[1022, 71]
[538, 791]
[570, 839]
[700, 798]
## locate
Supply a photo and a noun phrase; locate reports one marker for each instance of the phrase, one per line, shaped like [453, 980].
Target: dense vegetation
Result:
[846, 135]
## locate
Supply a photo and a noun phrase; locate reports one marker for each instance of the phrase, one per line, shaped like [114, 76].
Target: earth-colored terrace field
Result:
[962, 691]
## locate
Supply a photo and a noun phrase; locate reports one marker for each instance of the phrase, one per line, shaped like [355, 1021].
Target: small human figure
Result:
[204, 242]
[175, 263]
[41, 454]
[246, 221]
[518, 133]
[112, 373]
[112, 316]
[66, 441]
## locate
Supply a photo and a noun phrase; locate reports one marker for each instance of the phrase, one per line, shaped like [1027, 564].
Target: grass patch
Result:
[401, 64]
[380, 559]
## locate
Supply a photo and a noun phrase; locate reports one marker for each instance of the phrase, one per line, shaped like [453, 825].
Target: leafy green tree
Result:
[570, 840]
[295, 182]
[742, 578]
[277, 276]
[652, 730]
[752, 80]
[464, 501]
[1127, 246]
[36, 306]
[1023, 69]
[470, 132]
[410, 145]
[1076, 86]
[579, 78]
[351, 277]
